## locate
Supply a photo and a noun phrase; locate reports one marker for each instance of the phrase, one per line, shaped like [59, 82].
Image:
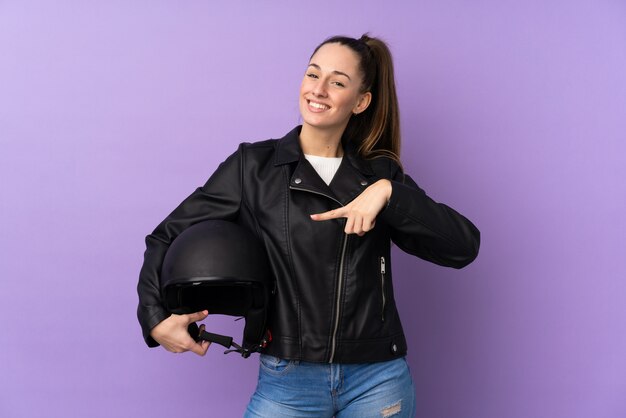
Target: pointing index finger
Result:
[331, 214]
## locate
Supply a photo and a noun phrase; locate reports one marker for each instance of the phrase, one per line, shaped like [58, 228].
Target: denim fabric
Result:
[288, 388]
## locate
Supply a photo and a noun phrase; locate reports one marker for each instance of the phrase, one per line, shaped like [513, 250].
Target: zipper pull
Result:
[382, 288]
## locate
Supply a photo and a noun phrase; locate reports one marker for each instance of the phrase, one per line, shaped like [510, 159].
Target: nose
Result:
[320, 89]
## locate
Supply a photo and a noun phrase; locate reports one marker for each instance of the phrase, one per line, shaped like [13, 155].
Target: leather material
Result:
[331, 302]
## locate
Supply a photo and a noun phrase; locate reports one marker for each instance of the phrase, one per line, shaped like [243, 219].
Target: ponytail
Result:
[375, 131]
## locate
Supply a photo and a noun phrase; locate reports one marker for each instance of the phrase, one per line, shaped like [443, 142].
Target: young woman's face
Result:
[330, 90]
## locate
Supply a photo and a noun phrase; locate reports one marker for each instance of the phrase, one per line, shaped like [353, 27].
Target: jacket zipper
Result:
[339, 280]
[314, 192]
[338, 300]
[382, 286]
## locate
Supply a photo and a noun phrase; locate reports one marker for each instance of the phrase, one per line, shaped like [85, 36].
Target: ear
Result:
[363, 102]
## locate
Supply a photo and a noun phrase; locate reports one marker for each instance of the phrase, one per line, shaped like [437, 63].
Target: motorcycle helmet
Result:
[223, 268]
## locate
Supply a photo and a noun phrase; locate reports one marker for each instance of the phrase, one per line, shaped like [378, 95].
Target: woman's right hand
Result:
[172, 333]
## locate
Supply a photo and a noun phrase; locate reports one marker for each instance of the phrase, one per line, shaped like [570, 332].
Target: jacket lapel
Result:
[348, 182]
[352, 177]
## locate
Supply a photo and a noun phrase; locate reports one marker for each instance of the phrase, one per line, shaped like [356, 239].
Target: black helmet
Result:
[223, 268]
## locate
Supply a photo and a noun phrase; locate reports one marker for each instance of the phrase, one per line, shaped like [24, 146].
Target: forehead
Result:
[336, 57]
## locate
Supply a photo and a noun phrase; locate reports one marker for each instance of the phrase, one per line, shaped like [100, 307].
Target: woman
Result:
[327, 200]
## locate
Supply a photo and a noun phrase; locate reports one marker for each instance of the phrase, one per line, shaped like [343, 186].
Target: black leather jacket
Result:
[334, 295]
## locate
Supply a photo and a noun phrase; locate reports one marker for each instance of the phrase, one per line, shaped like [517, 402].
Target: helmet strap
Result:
[228, 342]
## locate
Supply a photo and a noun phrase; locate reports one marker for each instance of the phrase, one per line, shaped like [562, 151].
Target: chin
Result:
[319, 122]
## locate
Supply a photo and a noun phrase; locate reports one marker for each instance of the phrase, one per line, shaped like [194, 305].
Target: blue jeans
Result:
[289, 388]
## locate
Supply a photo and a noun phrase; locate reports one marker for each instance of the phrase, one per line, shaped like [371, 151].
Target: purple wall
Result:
[512, 112]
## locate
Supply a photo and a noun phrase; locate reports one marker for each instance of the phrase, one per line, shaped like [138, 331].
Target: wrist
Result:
[388, 189]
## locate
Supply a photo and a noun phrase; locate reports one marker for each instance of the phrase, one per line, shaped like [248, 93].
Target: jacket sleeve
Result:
[219, 198]
[427, 229]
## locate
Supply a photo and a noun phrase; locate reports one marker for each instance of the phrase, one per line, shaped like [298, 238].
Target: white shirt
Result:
[326, 167]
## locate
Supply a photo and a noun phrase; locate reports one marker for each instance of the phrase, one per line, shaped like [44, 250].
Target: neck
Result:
[323, 143]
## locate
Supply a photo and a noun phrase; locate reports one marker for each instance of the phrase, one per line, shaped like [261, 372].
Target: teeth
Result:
[318, 105]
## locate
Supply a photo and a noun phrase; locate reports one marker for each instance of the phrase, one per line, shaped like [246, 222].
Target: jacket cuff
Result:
[398, 195]
[150, 321]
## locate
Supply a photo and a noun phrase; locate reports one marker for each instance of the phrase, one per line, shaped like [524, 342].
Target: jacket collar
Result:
[352, 177]
[288, 148]
[288, 151]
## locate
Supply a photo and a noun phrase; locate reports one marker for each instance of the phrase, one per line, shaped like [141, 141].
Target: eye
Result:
[338, 84]
[311, 75]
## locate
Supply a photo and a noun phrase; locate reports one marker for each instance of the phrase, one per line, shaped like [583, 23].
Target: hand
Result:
[172, 333]
[362, 211]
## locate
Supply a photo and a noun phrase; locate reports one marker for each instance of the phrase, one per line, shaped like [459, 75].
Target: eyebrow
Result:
[334, 72]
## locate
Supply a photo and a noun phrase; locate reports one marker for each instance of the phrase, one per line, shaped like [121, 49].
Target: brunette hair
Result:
[375, 131]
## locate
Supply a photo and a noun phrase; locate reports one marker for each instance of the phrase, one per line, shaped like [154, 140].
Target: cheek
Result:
[349, 102]
[305, 85]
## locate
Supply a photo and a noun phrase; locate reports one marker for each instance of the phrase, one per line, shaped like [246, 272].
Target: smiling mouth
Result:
[318, 106]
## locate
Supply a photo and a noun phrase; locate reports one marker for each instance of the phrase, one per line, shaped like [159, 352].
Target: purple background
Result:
[514, 113]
